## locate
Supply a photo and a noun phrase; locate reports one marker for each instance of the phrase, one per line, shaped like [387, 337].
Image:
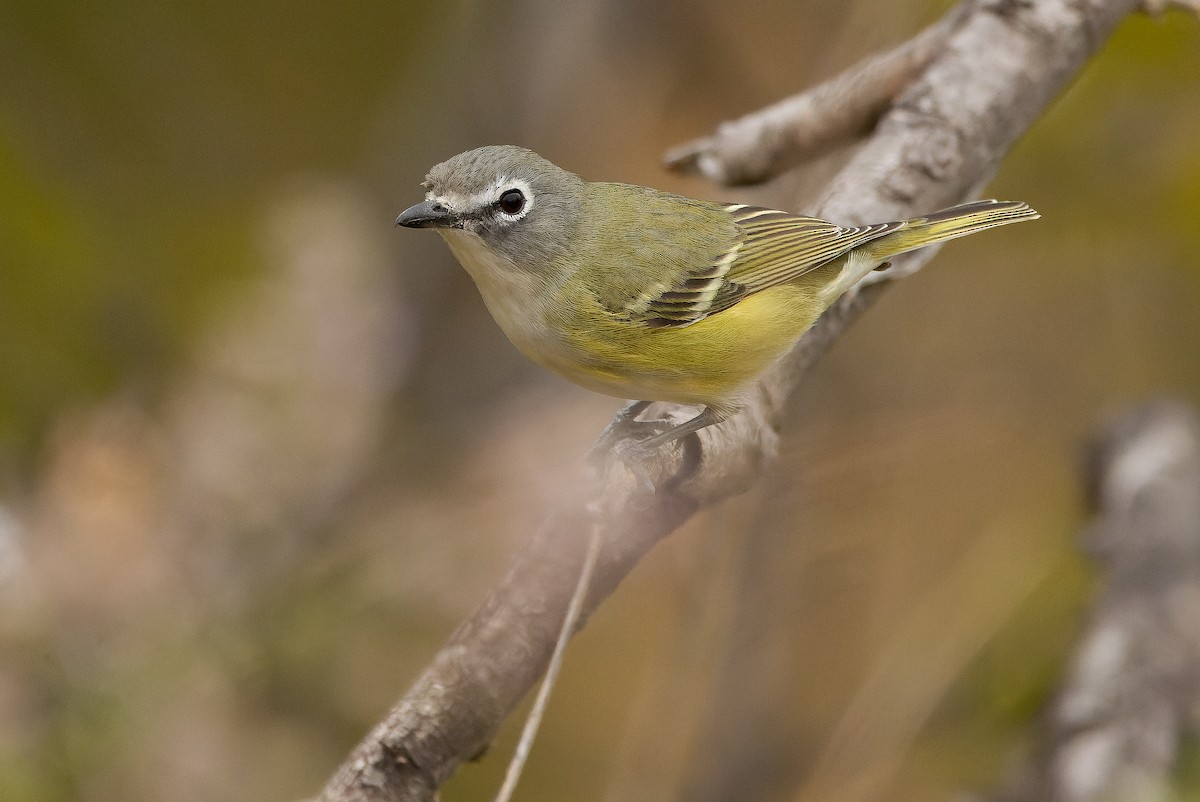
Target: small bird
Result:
[643, 294]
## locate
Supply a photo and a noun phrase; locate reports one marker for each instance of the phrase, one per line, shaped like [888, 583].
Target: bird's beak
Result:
[429, 214]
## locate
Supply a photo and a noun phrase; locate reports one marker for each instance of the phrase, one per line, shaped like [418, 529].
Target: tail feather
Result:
[957, 221]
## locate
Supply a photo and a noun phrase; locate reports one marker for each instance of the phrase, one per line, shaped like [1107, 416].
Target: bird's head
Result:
[520, 205]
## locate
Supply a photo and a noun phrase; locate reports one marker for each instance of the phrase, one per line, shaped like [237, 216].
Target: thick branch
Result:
[944, 136]
[1115, 727]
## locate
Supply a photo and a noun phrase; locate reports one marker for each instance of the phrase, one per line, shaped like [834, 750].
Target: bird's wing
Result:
[772, 248]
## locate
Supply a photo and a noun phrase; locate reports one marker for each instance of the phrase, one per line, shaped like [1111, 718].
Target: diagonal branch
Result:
[943, 136]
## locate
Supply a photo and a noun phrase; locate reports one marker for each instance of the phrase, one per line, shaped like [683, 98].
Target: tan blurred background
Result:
[259, 451]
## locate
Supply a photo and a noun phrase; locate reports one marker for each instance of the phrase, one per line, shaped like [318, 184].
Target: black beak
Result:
[429, 214]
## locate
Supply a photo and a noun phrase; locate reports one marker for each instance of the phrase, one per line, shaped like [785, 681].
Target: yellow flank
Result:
[708, 362]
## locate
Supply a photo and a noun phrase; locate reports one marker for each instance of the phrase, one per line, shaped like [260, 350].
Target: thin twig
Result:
[533, 722]
[1159, 7]
[763, 144]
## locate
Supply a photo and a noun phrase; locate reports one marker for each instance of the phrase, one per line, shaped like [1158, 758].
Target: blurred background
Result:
[259, 451]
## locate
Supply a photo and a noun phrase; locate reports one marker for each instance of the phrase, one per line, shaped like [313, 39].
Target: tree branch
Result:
[1114, 730]
[992, 77]
[762, 145]
[1157, 7]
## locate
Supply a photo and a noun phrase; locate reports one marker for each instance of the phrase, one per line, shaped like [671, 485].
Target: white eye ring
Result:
[513, 199]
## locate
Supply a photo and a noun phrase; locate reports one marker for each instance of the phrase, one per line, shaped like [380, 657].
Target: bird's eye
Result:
[511, 202]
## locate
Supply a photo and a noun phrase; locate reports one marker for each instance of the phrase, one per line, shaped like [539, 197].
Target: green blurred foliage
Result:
[136, 143]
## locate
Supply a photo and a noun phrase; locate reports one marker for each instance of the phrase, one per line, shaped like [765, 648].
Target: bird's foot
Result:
[623, 426]
[633, 442]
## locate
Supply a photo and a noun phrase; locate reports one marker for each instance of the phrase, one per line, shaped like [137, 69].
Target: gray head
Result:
[518, 203]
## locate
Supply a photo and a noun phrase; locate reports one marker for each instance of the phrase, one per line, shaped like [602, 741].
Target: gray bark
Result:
[1132, 690]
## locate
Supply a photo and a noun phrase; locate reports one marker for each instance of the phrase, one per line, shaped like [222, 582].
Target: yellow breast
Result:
[565, 329]
[704, 363]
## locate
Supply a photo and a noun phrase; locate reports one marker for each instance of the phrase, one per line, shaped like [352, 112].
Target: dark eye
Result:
[511, 202]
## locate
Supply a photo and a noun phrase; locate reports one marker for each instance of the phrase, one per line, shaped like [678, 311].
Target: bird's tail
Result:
[957, 221]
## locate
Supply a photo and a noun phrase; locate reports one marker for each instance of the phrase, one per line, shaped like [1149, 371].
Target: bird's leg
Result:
[707, 417]
[623, 426]
[628, 412]
[626, 437]
[637, 454]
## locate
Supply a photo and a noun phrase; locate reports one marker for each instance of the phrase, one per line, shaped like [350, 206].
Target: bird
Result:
[647, 295]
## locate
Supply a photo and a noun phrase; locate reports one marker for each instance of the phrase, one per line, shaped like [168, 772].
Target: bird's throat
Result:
[515, 297]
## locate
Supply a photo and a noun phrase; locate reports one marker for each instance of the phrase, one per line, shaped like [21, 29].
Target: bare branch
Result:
[943, 137]
[497, 654]
[1114, 729]
[762, 145]
[1157, 7]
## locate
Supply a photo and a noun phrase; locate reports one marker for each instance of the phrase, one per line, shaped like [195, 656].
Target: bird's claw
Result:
[623, 426]
[625, 437]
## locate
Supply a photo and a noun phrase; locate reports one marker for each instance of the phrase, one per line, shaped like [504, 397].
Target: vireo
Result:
[642, 294]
